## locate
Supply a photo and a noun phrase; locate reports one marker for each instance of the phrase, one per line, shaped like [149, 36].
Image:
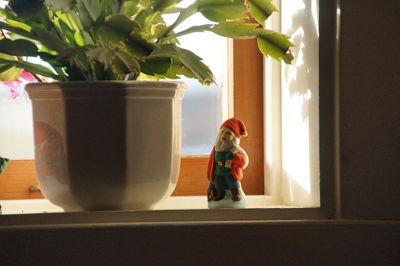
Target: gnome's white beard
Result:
[226, 145]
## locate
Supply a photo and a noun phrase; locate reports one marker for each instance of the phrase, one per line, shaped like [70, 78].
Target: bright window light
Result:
[203, 108]
[300, 117]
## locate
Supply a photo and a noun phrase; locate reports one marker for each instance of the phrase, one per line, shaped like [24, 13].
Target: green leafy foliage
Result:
[19, 47]
[161, 5]
[63, 5]
[275, 45]
[222, 10]
[124, 39]
[194, 63]
[156, 66]
[30, 67]
[91, 8]
[8, 72]
[261, 9]
[26, 9]
[236, 30]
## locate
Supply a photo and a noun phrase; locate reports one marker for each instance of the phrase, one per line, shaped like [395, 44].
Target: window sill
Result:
[40, 212]
[32, 206]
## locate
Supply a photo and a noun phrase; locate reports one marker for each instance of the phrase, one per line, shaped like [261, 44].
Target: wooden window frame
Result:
[19, 176]
[329, 53]
[248, 106]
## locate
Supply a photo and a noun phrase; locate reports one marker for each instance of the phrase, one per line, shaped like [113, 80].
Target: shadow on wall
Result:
[300, 118]
[302, 76]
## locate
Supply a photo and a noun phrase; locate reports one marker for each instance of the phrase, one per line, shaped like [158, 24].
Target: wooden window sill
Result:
[19, 176]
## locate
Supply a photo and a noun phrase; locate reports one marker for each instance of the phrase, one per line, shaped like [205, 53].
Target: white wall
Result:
[300, 105]
[16, 127]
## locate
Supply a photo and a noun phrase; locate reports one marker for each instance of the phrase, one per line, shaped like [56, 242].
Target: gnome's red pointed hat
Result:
[237, 126]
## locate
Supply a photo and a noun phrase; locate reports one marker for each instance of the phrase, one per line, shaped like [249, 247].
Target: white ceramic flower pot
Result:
[111, 145]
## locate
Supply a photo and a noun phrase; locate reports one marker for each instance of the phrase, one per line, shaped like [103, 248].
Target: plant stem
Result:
[190, 10]
[19, 58]
[193, 29]
[36, 77]
[3, 34]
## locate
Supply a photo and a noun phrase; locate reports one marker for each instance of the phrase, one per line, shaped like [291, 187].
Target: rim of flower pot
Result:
[106, 88]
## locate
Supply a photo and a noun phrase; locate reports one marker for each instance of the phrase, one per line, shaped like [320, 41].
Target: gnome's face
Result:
[226, 135]
[225, 140]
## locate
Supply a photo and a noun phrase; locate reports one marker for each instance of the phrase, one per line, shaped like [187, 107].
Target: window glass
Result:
[16, 139]
[203, 107]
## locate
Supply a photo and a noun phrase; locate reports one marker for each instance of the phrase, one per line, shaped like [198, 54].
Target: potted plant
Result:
[104, 137]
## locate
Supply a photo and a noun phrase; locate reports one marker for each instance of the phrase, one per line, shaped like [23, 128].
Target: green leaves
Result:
[275, 45]
[236, 30]
[19, 25]
[17, 30]
[26, 8]
[30, 67]
[130, 8]
[182, 62]
[92, 7]
[183, 15]
[129, 64]
[261, 9]
[49, 38]
[116, 29]
[88, 11]
[270, 43]
[56, 5]
[195, 65]
[36, 69]
[156, 66]
[8, 72]
[161, 5]
[102, 55]
[110, 7]
[138, 46]
[222, 10]
[115, 60]
[122, 23]
[193, 29]
[124, 39]
[18, 47]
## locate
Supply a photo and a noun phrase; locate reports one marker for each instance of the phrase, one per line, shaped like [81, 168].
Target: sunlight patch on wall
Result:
[300, 119]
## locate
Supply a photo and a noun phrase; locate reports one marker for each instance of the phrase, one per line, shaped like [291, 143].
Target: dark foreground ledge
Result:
[198, 242]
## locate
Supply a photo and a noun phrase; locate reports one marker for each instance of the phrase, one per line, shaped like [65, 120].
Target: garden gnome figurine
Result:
[225, 167]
